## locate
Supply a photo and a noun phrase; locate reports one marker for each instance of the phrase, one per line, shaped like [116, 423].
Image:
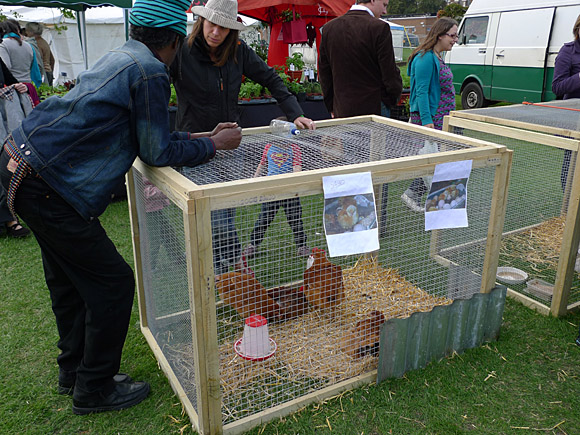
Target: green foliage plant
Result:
[453, 10]
[288, 15]
[250, 90]
[261, 49]
[297, 60]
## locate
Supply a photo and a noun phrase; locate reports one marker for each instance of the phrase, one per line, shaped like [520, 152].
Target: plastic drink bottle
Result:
[283, 128]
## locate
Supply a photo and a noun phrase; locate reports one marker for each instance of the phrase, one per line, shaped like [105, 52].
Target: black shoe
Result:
[125, 395]
[66, 381]
[17, 231]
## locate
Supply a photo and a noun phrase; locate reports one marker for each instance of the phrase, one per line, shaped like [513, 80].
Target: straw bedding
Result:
[538, 246]
[309, 347]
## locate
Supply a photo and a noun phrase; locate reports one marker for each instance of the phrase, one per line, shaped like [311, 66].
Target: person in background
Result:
[18, 56]
[34, 30]
[29, 39]
[357, 68]
[8, 222]
[207, 76]
[279, 158]
[59, 168]
[432, 92]
[566, 84]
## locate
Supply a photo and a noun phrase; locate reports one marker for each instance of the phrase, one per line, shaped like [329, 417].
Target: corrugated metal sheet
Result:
[411, 343]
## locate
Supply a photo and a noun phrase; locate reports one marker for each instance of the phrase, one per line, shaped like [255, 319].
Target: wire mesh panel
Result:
[540, 192]
[165, 279]
[283, 320]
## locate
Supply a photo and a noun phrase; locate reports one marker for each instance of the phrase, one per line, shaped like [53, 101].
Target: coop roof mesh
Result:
[327, 147]
[563, 114]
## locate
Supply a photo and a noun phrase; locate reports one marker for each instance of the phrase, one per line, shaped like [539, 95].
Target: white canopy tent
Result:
[105, 28]
[398, 33]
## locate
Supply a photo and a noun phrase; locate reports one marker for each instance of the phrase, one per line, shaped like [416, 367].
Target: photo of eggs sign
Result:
[446, 195]
[446, 204]
[350, 216]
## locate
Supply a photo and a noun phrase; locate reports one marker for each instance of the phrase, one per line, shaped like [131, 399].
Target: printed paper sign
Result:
[446, 204]
[350, 215]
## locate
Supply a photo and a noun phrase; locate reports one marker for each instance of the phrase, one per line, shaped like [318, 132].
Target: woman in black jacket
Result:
[207, 76]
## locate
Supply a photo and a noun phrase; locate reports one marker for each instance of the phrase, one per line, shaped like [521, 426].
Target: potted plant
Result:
[293, 27]
[288, 15]
[295, 63]
[313, 91]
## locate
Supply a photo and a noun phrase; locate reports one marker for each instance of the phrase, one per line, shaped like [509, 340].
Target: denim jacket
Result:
[83, 143]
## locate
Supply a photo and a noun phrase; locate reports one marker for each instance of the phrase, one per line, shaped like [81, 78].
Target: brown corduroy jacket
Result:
[357, 68]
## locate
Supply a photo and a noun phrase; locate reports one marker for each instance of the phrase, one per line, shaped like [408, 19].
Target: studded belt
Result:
[19, 168]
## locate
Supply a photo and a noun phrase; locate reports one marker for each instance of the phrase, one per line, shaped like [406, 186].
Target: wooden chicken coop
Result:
[210, 273]
[542, 230]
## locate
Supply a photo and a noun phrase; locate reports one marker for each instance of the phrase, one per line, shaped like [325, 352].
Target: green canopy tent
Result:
[77, 5]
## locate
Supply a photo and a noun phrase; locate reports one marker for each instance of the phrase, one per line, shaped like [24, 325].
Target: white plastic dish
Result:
[511, 275]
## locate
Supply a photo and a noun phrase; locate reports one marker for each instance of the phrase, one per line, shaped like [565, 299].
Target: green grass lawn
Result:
[527, 382]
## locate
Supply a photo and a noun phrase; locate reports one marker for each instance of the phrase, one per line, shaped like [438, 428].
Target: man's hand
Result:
[223, 125]
[227, 138]
[304, 122]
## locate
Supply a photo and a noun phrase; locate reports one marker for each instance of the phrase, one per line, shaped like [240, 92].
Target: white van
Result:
[506, 49]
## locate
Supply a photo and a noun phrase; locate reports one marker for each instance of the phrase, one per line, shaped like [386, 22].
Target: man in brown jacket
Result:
[357, 67]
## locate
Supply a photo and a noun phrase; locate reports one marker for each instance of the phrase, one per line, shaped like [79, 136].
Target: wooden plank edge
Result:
[248, 191]
[515, 133]
[288, 408]
[515, 124]
[529, 302]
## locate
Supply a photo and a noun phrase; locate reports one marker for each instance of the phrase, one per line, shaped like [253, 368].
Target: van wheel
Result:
[472, 96]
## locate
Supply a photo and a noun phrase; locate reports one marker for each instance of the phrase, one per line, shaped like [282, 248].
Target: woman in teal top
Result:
[432, 93]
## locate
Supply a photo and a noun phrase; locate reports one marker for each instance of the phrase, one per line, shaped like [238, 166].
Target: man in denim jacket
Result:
[61, 166]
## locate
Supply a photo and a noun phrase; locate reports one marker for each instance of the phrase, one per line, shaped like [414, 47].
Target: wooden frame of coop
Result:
[196, 203]
[553, 137]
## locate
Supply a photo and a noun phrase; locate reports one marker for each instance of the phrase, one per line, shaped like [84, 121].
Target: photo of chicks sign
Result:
[350, 215]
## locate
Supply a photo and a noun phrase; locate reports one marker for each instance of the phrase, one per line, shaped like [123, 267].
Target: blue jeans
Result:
[226, 244]
[91, 286]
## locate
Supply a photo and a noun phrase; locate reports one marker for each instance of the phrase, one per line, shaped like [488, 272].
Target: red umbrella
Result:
[312, 12]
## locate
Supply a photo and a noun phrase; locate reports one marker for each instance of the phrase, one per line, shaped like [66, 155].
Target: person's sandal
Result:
[17, 231]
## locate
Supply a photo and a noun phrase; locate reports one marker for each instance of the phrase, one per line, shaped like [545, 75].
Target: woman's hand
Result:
[429, 125]
[304, 122]
[20, 87]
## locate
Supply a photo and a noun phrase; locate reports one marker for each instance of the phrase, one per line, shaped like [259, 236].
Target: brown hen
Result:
[244, 293]
[323, 281]
[364, 338]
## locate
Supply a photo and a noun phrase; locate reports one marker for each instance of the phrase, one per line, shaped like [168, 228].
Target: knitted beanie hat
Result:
[161, 13]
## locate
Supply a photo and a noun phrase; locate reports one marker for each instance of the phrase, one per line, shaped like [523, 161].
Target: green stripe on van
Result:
[517, 83]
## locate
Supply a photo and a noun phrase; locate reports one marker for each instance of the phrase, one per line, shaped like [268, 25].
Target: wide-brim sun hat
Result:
[221, 12]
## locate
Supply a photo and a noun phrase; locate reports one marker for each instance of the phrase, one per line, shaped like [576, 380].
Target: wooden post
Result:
[496, 221]
[197, 221]
[570, 239]
[136, 240]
